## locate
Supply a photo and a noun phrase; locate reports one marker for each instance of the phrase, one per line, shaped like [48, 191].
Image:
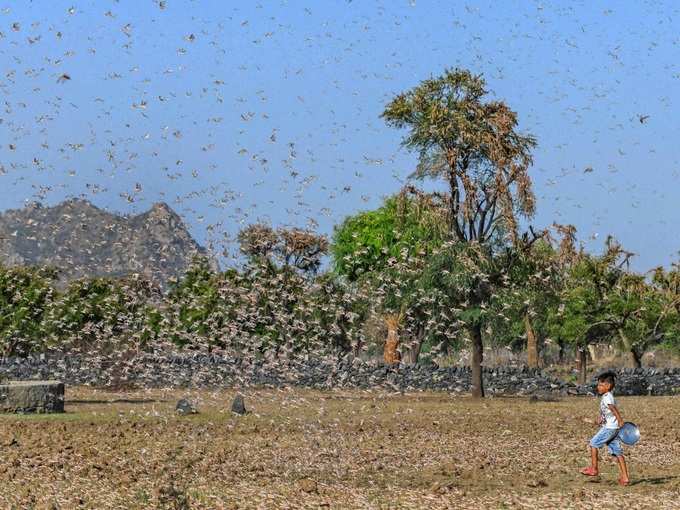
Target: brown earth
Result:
[339, 449]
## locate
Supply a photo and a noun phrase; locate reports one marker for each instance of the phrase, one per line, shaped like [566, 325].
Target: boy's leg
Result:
[594, 458]
[615, 448]
[592, 469]
[602, 438]
[623, 469]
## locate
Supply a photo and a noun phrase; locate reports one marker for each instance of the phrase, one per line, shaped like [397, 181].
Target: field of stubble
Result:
[337, 449]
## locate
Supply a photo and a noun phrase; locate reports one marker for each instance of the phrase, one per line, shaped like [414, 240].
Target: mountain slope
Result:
[83, 240]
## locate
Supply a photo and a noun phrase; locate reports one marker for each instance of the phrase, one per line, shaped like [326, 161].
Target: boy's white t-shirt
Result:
[606, 413]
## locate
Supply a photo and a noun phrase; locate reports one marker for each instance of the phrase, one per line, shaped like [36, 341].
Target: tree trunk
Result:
[583, 364]
[390, 352]
[532, 344]
[477, 382]
[560, 352]
[356, 348]
[412, 352]
[633, 354]
[635, 358]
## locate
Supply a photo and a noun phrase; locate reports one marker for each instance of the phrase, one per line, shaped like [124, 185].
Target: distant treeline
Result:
[396, 282]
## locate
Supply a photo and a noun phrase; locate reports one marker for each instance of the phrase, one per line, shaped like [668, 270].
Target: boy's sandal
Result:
[624, 483]
[589, 471]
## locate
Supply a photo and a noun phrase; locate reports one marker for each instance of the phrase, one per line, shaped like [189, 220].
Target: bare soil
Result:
[338, 449]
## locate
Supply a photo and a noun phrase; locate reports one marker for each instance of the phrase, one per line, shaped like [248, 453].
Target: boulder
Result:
[238, 406]
[184, 406]
[32, 397]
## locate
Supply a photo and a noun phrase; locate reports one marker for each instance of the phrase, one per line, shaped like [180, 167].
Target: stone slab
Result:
[32, 397]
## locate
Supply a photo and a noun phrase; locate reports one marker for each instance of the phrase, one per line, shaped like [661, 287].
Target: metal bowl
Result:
[629, 433]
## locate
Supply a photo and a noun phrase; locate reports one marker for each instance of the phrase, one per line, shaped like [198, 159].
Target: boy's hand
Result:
[600, 419]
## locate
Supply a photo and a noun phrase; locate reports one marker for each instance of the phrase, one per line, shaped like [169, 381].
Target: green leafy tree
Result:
[602, 301]
[407, 222]
[473, 146]
[25, 295]
[335, 310]
[666, 287]
[384, 252]
[457, 277]
[194, 310]
[634, 308]
[104, 314]
[522, 307]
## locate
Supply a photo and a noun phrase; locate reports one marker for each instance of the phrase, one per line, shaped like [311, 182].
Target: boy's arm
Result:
[616, 412]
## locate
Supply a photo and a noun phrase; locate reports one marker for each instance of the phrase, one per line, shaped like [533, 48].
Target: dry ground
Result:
[338, 449]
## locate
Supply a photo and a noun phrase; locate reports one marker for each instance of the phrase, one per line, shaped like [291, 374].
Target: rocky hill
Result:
[84, 241]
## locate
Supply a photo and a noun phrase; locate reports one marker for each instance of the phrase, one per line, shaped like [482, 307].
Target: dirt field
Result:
[304, 449]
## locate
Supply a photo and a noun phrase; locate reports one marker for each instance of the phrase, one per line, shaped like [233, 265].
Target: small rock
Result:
[442, 487]
[238, 406]
[543, 397]
[185, 407]
[309, 486]
[537, 483]
[10, 440]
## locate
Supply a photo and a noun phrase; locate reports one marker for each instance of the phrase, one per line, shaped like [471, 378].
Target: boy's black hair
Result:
[609, 377]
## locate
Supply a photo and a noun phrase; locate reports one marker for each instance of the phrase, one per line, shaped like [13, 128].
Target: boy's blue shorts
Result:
[607, 437]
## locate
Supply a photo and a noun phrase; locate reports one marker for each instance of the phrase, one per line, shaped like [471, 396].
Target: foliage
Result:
[194, 306]
[264, 308]
[666, 286]
[473, 146]
[603, 301]
[294, 247]
[385, 251]
[25, 294]
[370, 241]
[100, 314]
[529, 298]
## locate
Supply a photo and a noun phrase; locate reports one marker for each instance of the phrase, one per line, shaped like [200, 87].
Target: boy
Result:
[610, 421]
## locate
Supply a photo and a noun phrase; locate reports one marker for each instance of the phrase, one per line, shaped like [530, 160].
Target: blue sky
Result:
[234, 112]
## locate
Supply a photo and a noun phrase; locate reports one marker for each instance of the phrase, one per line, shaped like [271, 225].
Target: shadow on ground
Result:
[659, 480]
[117, 401]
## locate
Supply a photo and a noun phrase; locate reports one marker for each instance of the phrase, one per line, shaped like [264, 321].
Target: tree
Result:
[25, 295]
[404, 223]
[523, 308]
[103, 313]
[334, 310]
[302, 249]
[603, 301]
[666, 287]
[578, 317]
[458, 277]
[275, 306]
[474, 147]
[294, 247]
[634, 308]
[384, 251]
[194, 307]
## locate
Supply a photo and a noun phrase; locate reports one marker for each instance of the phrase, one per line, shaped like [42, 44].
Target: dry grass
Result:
[341, 449]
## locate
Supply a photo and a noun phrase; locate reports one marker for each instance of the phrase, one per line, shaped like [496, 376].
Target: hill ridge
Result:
[83, 240]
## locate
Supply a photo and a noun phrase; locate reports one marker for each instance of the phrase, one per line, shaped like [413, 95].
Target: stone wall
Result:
[208, 370]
